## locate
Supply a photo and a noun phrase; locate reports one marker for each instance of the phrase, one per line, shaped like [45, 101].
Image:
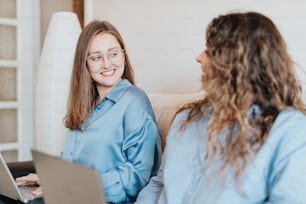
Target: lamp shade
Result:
[53, 81]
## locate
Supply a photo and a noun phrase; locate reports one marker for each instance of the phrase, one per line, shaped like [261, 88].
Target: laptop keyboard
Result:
[27, 192]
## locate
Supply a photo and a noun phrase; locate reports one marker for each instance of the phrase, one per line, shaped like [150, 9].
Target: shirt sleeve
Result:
[288, 179]
[142, 150]
[152, 192]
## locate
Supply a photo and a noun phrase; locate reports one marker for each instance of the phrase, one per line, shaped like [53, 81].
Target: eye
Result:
[95, 58]
[113, 54]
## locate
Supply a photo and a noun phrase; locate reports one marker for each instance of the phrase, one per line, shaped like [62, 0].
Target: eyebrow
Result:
[99, 52]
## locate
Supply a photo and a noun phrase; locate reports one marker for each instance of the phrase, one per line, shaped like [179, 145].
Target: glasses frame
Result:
[96, 60]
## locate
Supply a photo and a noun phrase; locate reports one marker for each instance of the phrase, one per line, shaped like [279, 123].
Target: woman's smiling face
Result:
[105, 60]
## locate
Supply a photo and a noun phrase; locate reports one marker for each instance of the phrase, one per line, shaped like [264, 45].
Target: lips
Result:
[108, 72]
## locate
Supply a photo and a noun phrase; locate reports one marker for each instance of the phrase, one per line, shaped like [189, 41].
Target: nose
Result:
[106, 62]
[198, 58]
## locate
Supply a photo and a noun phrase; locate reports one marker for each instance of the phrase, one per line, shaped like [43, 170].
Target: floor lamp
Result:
[53, 78]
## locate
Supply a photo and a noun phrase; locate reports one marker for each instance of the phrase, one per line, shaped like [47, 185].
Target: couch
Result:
[165, 107]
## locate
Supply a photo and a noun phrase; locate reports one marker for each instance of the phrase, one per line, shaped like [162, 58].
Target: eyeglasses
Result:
[114, 56]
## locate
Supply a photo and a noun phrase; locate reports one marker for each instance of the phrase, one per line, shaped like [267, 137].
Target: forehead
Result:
[103, 42]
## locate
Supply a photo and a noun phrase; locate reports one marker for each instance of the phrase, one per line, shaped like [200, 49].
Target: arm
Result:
[154, 191]
[142, 150]
[151, 193]
[289, 178]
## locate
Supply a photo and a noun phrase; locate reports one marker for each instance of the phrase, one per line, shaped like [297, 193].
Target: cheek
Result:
[204, 67]
[92, 70]
[205, 75]
[120, 71]
[204, 80]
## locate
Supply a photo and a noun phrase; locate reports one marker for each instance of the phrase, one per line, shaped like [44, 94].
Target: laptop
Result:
[66, 182]
[9, 188]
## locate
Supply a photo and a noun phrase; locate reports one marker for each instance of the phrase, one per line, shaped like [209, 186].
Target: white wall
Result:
[163, 37]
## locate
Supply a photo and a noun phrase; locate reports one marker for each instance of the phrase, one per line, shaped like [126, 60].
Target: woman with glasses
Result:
[245, 141]
[111, 123]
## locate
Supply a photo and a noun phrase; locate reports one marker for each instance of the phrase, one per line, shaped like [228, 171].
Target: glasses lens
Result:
[114, 56]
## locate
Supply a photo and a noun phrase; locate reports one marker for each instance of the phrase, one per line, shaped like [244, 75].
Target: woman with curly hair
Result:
[245, 141]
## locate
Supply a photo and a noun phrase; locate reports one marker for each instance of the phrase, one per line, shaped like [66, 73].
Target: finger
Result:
[21, 180]
[37, 191]
[28, 179]
[34, 178]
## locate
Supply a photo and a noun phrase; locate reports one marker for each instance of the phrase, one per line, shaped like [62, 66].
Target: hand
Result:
[37, 191]
[30, 179]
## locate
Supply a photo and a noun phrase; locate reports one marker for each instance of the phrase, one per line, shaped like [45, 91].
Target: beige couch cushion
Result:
[165, 107]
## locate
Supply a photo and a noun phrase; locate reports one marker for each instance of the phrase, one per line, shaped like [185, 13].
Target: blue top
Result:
[120, 140]
[277, 173]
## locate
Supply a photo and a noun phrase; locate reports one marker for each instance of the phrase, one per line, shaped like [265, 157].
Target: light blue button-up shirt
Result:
[120, 140]
[277, 173]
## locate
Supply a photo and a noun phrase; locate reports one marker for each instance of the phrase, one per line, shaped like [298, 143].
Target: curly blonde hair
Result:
[248, 65]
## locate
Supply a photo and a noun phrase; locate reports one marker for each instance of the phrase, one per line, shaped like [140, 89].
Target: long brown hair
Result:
[249, 65]
[83, 90]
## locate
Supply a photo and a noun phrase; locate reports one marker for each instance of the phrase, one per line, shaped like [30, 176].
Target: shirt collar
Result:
[254, 110]
[118, 90]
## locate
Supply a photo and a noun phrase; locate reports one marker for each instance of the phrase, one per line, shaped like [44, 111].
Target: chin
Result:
[111, 83]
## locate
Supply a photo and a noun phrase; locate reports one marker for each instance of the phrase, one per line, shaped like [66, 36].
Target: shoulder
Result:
[136, 103]
[292, 113]
[134, 91]
[136, 97]
[138, 114]
[288, 132]
[193, 130]
[180, 117]
[125, 89]
[290, 120]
